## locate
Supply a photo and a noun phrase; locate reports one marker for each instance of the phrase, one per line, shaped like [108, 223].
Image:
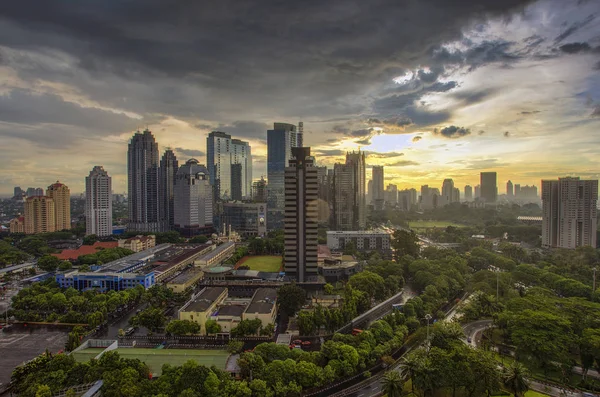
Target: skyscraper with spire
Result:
[142, 183]
[167, 174]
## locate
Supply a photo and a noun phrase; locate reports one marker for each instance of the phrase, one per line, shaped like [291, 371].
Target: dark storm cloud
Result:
[189, 152]
[197, 59]
[452, 131]
[596, 112]
[402, 163]
[250, 129]
[574, 48]
[383, 155]
[330, 152]
[417, 138]
[528, 112]
[573, 28]
[474, 96]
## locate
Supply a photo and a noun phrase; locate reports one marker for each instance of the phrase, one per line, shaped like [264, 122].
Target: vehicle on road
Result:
[469, 339]
[7, 328]
[129, 331]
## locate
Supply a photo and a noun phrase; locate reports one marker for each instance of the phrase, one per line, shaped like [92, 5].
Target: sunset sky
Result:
[430, 89]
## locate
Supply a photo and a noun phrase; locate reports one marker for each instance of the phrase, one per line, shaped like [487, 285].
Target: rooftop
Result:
[230, 310]
[186, 276]
[359, 232]
[218, 250]
[120, 264]
[85, 250]
[262, 301]
[204, 299]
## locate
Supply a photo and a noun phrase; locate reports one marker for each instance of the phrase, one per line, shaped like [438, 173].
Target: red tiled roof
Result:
[323, 250]
[85, 250]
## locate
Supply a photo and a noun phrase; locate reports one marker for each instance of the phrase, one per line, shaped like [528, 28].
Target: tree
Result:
[290, 298]
[515, 380]
[151, 318]
[405, 243]
[48, 263]
[64, 266]
[370, 283]
[306, 323]
[246, 328]
[198, 240]
[183, 327]
[74, 338]
[212, 327]
[43, 391]
[392, 384]
[235, 346]
[328, 289]
[90, 239]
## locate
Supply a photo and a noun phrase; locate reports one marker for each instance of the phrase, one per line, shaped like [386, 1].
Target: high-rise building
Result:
[142, 183]
[468, 193]
[259, 190]
[18, 192]
[569, 214]
[407, 198]
[489, 187]
[236, 182]
[378, 187]
[166, 190]
[349, 204]
[528, 193]
[430, 197]
[241, 154]
[391, 195]
[218, 158]
[247, 219]
[448, 193]
[39, 191]
[30, 192]
[61, 195]
[98, 202]
[301, 217]
[477, 192]
[323, 179]
[39, 215]
[193, 199]
[369, 194]
[517, 190]
[509, 189]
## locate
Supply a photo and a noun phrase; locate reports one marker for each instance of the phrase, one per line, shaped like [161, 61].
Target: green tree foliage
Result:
[74, 338]
[104, 255]
[290, 298]
[212, 327]
[48, 263]
[392, 384]
[90, 239]
[514, 378]
[405, 243]
[183, 327]
[152, 318]
[35, 245]
[306, 323]
[235, 346]
[198, 240]
[370, 283]
[246, 328]
[10, 255]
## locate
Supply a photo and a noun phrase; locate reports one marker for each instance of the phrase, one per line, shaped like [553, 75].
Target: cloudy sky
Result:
[431, 89]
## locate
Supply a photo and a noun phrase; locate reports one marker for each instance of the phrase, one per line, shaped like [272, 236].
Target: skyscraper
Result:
[39, 215]
[301, 217]
[142, 183]
[391, 195]
[407, 198]
[378, 187]
[280, 141]
[448, 194]
[18, 192]
[489, 187]
[323, 180]
[430, 197]
[241, 154]
[236, 182]
[569, 214]
[468, 193]
[98, 202]
[166, 193]
[349, 210]
[218, 158]
[259, 190]
[193, 199]
[509, 189]
[517, 191]
[477, 192]
[62, 205]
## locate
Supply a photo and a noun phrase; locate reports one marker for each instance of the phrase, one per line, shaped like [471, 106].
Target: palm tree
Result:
[515, 379]
[411, 365]
[392, 384]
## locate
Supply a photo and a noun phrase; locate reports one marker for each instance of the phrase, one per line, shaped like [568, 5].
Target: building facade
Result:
[61, 195]
[98, 202]
[378, 187]
[569, 214]
[489, 187]
[138, 243]
[166, 190]
[407, 198]
[430, 197]
[349, 202]
[301, 217]
[363, 240]
[248, 219]
[39, 215]
[104, 282]
[218, 158]
[391, 195]
[241, 155]
[259, 190]
[509, 189]
[468, 193]
[142, 183]
[17, 225]
[193, 199]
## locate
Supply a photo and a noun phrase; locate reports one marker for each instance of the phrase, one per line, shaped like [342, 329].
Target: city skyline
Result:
[499, 87]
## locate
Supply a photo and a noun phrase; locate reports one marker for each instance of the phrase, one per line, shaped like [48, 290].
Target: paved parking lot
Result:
[17, 347]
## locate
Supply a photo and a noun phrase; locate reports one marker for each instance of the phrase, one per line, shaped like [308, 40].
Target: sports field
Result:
[431, 224]
[87, 354]
[155, 358]
[263, 263]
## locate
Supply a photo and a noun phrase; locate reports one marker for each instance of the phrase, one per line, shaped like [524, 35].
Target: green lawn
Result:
[431, 224]
[264, 263]
[155, 358]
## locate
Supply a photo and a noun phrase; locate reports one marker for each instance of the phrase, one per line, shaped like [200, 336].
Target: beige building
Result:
[263, 306]
[39, 215]
[61, 195]
[138, 243]
[185, 280]
[228, 316]
[17, 225]
[218, 255]
[203, 305]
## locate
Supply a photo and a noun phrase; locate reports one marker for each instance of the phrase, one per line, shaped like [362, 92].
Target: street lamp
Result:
[428, 317]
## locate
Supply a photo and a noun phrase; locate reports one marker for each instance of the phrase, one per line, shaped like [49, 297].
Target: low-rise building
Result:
[176, 258]
[335, 269]
[17, 225]
[363, 240]
[138, 243]
[219, 254]
[329, 301]
[73, 254]
[185, 280]
[104, 282]
[263, 306]
[203, 305]
[228, 316]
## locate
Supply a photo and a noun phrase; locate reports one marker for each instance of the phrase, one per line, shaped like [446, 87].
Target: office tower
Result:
[142, 183]
[407, 198]
[39, 215]
[489, 187]
[349, 201]
[39, 191]
[430, 197]
[456, 195]
[468, 193]
[247, 219]
[509, 189]
[280, 141]
[61, 196]
[241, 154]
[301, 217]
[448, 194]
[166, 193]
[324, 194]
[236, 182]
[477, 192]
[369, 195]
[378, 187]
[30, 192]
[528, 193]
[259, 190]
[391, 195]
[193, 199]
[569, 214]
[18, 192]
[517, 191]
[98, 202]
[218, 158]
